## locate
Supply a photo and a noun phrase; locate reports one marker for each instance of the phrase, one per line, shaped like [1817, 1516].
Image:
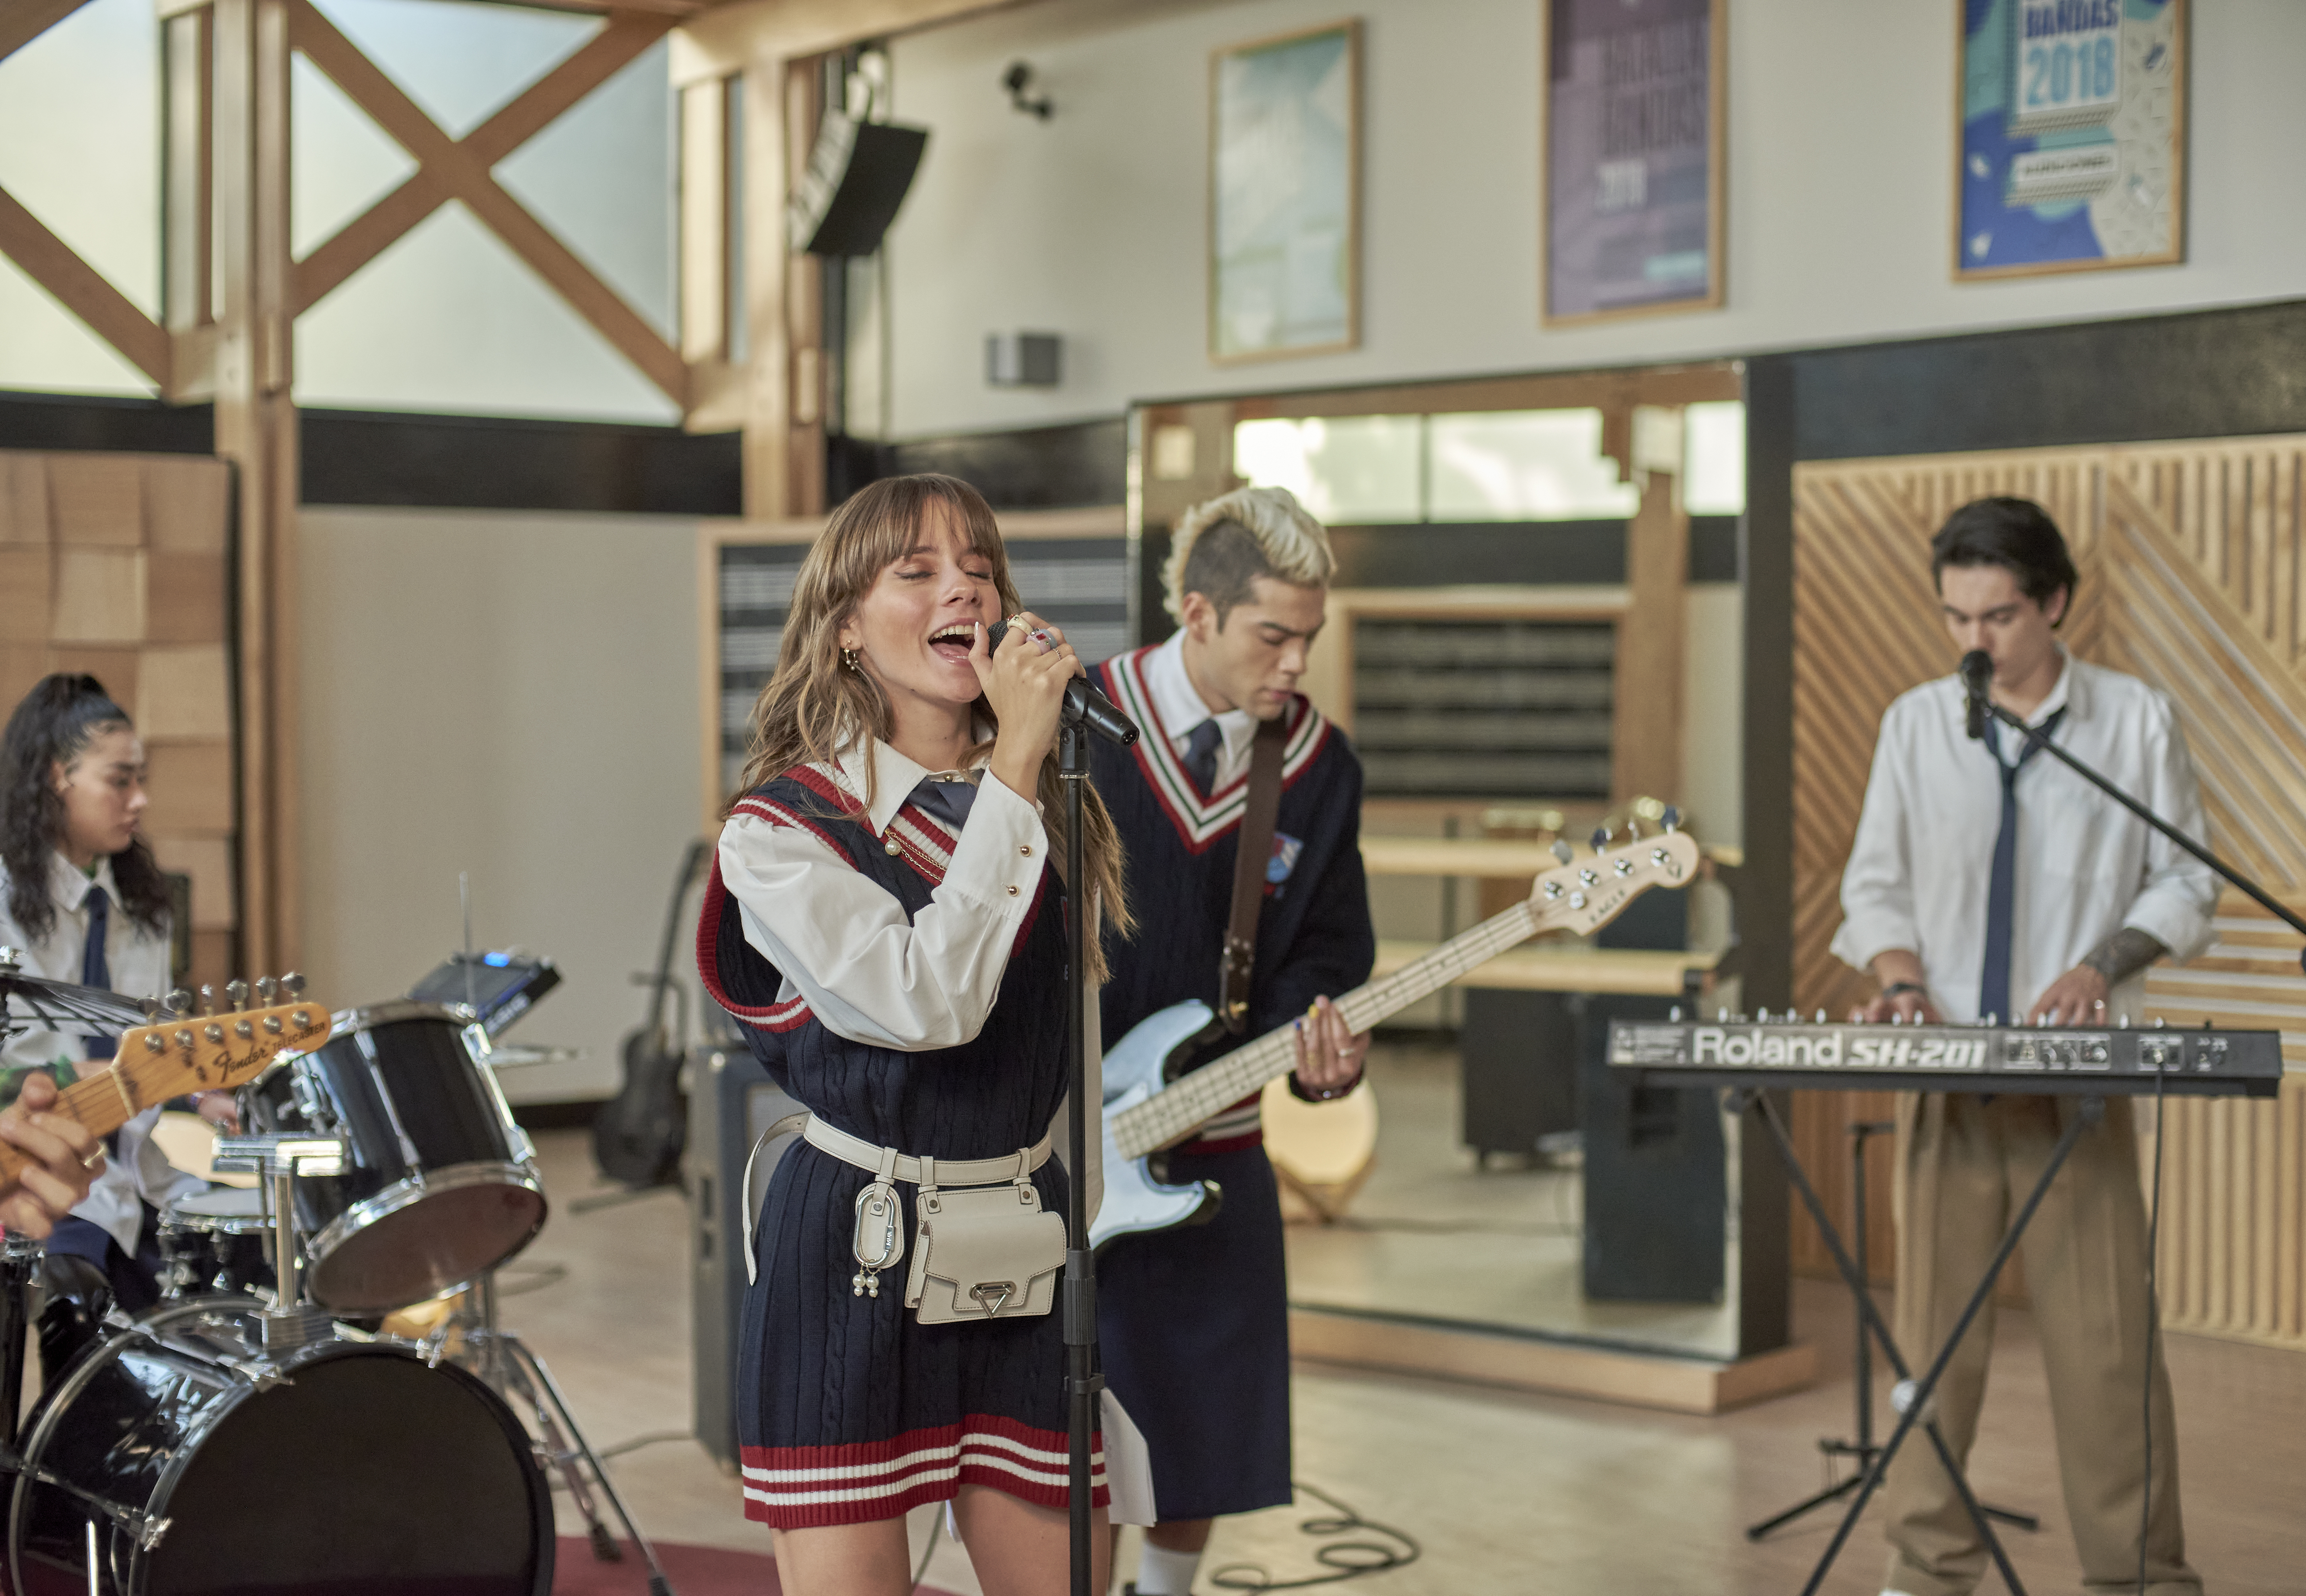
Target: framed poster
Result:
[1635, 148]
[1285, 195]
[2072, 136]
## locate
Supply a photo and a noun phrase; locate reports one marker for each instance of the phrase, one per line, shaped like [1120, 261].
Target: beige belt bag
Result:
[983, 1246]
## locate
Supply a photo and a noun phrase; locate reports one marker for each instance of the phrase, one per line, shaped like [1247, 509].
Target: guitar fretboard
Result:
[1172, 1115]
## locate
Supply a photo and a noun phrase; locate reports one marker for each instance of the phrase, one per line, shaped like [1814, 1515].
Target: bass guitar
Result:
[1152, 1101]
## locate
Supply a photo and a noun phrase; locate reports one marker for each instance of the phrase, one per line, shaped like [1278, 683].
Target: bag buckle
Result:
[998, 1291]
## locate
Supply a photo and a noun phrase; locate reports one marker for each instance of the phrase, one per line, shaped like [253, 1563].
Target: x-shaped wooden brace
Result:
[51, 262]
[450, 168]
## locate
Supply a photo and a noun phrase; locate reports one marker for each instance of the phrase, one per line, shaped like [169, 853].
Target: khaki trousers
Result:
[1965, 1166]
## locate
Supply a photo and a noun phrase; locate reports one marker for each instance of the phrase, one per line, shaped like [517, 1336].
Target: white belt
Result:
[887, 1164]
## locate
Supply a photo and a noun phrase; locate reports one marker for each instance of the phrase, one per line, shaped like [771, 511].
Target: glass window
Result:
[1714, 459]
[1525, 465]
[1346, 470]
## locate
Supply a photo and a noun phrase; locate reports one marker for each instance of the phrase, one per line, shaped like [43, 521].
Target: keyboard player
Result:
[1989, 880]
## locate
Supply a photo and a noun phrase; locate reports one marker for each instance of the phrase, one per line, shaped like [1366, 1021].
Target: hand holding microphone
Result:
[1082, 701]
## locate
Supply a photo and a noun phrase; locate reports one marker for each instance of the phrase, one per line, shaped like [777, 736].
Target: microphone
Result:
[1977, 681]
[1082, 701]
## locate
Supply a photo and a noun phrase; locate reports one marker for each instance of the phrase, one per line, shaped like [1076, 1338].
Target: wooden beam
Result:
[23, 20]
[721, 41]
[1646, 735]
[81, 289]
[461, 169]
[188, 197]
[703, 203]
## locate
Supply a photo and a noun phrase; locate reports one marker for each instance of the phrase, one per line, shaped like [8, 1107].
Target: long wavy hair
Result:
[812, 707]
[51, 726]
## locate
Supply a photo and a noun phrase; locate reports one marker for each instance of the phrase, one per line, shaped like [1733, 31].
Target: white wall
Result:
[512, 695]
[1093, 225]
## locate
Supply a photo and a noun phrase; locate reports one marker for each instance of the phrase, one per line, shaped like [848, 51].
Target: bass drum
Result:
[207, 1469]
[439, 1185]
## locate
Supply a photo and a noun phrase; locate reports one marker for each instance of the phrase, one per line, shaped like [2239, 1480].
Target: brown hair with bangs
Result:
[812, 708]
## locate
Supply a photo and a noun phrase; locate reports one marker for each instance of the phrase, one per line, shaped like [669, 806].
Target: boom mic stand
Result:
[2235, 877]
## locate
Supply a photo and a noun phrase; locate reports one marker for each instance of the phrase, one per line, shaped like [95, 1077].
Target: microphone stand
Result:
[1082, 1382]
[2034, 736]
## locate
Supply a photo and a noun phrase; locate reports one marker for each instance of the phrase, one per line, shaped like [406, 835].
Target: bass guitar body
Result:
[1157, 1050]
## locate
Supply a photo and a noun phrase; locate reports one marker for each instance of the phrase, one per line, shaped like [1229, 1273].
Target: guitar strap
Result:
[1262, 803]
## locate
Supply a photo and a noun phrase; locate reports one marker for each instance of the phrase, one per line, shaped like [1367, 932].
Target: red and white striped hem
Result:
[797, 1487]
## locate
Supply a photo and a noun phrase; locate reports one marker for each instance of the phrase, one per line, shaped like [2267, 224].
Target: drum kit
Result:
[263, 1429]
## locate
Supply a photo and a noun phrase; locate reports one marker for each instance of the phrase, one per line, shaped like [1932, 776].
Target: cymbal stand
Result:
[508, 1366]
[20, 1263]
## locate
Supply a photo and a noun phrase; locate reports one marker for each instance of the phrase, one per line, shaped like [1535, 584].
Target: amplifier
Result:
[732, 1100]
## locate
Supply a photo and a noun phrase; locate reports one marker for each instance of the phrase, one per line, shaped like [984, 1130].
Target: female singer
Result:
[87, 904]
[885, 918]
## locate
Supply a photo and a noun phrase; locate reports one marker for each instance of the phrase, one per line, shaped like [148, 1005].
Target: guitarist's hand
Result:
[1330, 1056]
[65, 1160]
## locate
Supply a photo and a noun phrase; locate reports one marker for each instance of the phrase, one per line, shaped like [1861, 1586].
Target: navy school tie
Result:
[1201, 745]
[2001, 894]
[95, 969]
[948, 801]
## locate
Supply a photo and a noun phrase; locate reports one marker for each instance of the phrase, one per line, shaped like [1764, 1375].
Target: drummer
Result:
[86, 903]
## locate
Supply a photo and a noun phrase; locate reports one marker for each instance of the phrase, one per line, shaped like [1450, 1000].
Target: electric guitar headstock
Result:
[1584, 893]
[181, 1052]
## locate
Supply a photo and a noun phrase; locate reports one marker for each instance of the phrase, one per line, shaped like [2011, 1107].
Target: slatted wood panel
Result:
[2190, 575]
[118, 565]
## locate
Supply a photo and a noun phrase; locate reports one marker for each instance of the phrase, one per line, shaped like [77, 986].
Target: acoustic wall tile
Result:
[183, 598]
[100, 595]
[24, 498]
[26, 574]
[98, 499]
[117, 668]
[185, 694]
[207, 860]
[191, 786]
[21, 666]
[187, 505]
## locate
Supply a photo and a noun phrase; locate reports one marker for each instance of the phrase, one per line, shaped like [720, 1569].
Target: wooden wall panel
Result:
[2190, 562]
[118, 565]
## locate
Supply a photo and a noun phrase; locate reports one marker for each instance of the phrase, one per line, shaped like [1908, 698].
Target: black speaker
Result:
[730, 1102]
[857, 177]
[1517, 1069]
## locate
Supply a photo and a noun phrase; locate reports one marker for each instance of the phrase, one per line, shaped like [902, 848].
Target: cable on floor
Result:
[1345, 1559]
[514, 1279]
[654, 1438]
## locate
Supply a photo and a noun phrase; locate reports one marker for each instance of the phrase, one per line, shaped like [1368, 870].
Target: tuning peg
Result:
[292, 984]
[236, 993]
[208, 1000]
[180, 1002]
[151, 1007]
[1562, 850]
[1633, 831]
[266, 987]
[1672, 818]
[1601, 838]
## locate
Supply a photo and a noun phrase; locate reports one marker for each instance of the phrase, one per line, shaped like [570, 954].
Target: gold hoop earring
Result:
[848, 660]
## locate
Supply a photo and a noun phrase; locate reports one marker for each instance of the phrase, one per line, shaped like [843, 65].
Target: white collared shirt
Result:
[1181, 708]
[1922, 864]
[843, 943]
[137, 960]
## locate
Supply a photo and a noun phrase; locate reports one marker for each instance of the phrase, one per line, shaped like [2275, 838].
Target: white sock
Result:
[1161, 1572]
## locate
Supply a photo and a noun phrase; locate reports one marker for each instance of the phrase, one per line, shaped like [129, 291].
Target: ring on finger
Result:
[93, 1161]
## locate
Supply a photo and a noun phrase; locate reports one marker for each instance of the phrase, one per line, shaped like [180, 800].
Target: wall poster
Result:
[2072, 139]
[1634, 153]
[1285, 195]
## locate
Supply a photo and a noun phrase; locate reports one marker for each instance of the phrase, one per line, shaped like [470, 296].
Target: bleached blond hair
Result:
[1291, 544]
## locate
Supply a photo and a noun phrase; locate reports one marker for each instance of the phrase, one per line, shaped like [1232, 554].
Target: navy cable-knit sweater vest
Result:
[1313, 934]
[850, 1410]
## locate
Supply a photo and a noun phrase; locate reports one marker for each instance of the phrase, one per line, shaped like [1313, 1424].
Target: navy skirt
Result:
[1193, 1331]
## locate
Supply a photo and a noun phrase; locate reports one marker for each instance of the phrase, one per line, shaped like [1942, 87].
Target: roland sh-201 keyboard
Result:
[1790, 1052]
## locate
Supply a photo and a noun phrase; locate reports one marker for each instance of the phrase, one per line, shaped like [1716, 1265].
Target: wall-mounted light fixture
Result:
[1022, 359]
[1017, 81]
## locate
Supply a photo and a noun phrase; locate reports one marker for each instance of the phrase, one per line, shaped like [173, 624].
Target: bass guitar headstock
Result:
[1584, 893]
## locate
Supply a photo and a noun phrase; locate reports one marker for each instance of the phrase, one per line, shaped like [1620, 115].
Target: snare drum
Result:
[219, 1240]
[439, 1183]
[191, 1463]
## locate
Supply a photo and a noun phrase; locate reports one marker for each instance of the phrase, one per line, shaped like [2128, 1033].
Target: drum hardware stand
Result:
[511, 1368]
[291, 1322]
[1862, 1448]
[20, 1263]
[1913, 1397]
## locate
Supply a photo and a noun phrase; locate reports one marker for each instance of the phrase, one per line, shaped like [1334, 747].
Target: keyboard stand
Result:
[2092, 1110]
